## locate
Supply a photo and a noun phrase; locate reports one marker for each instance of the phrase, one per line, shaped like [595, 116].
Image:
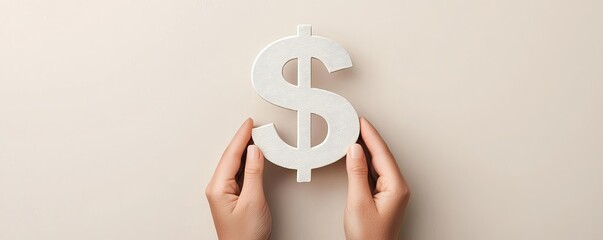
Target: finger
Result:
[383, 161]
[231, 159]
[357, 169]
[253, 179]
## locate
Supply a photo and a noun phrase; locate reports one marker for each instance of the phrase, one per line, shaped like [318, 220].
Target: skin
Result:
[373, 211]
[239, 207]
[377, 195]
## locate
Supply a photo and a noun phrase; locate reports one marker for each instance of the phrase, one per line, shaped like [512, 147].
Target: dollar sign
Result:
[341, 118]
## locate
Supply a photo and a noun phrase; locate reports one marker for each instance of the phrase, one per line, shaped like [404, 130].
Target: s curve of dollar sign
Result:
[341, 118]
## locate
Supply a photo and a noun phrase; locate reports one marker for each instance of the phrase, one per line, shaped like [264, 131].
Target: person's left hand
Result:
[240, 210]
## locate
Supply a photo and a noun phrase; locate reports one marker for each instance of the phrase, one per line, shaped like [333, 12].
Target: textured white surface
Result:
[340, 116]
[113, 114]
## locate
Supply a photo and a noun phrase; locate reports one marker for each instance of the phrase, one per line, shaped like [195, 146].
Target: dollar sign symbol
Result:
[341, 118]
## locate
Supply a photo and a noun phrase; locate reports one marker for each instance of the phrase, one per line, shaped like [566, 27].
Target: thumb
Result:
[357, 169]
[253, 180]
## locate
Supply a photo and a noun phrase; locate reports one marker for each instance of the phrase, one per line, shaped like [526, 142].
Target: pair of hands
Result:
[375, 202]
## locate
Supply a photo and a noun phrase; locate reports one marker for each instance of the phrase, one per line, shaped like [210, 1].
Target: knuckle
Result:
[385, 154]
[253, 171]
[208, 192]
[211, 193]
[359, 170]
[402, 193]
[406, 193]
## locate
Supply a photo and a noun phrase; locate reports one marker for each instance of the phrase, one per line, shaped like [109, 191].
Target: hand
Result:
[240, 210]
[375, 215]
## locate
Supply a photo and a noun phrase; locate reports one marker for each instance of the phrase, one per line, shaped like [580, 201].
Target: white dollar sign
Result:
[341, 118]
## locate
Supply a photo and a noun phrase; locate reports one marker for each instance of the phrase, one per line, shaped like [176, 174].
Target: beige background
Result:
[113, 114]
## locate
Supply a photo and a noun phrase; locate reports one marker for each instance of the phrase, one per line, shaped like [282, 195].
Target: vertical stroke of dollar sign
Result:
[341, 118]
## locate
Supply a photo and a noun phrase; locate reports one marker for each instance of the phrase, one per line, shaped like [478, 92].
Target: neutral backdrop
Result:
[113, 114]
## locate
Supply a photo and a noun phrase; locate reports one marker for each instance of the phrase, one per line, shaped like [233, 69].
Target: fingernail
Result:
[356, 152]
[245, 122]
[252, 152]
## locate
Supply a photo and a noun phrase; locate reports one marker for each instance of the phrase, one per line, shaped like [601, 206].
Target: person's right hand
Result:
[375, 215]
